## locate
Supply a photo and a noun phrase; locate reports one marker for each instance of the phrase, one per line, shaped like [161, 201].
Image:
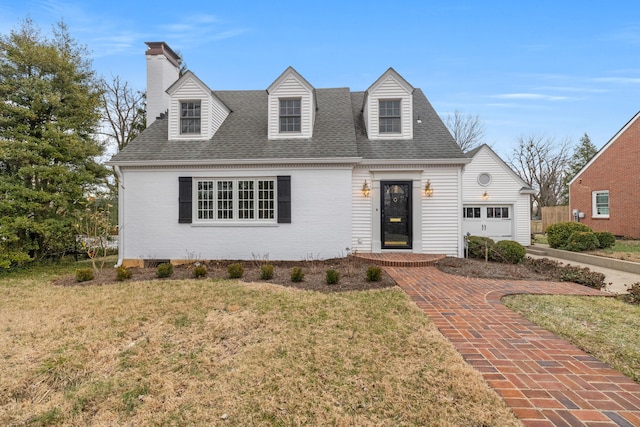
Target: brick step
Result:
[395, 259]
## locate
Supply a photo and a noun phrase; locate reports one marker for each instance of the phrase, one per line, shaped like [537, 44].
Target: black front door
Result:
[396, 214]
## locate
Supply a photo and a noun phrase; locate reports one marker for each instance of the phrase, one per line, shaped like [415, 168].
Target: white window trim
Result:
[594, 207]
[399, 101]
[187, 101]
[235, 220]
[280, 116]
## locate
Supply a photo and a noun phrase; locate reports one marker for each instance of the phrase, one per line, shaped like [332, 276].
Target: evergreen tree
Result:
[49, 113]
[582, 153]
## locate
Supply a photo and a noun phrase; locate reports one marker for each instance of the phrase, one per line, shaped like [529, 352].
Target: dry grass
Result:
[607, 328]
[205, 352]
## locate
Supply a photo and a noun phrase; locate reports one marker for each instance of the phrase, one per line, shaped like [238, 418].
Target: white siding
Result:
[291, 88]
[151, 230]
[436, 219]
[389, 88]
[362, 212]
[504, 189]
[213, 112]
[441, 218]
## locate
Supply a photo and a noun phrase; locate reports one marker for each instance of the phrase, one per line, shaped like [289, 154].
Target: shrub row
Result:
[235, 271]
[566, 273]
[577, 237]
[505, 251]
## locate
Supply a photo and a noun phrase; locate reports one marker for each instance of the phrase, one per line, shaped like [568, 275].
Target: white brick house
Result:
[287, 172]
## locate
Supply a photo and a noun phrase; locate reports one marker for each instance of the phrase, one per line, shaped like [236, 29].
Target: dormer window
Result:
[290, 115]
[190, 117]
[389, 119]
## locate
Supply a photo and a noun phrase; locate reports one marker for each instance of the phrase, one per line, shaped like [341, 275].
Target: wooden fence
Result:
[551, 215]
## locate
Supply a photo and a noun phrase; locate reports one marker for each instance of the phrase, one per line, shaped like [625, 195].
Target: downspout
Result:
[120, 186]
[460, 204]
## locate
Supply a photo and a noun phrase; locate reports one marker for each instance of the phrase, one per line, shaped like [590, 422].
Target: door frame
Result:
[409, 245]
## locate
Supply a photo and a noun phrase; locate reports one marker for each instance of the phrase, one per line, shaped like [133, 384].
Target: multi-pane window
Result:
[471, 212]
[246, 200]
[266, 199]
[389, 116]
[225, 199]
[601, 204]
[190, 117]
[236, 199]
[205, 200]
[290, 115]
[498, 212]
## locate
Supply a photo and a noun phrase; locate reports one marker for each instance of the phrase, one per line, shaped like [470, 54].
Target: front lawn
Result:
[214, 352]
[607, 328]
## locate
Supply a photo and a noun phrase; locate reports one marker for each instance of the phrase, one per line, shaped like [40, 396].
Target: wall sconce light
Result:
[428, 191]
[365, 189]
[485, 195]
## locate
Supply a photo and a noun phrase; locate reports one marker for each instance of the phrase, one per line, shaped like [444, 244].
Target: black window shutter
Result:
[284, 200]
[185, 185]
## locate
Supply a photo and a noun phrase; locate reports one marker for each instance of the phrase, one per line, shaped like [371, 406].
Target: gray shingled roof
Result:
[338, 133]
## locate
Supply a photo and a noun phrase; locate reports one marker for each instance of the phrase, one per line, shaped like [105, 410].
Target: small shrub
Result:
[580, 241]
[164, 270]
[374, 274]
[332, 277]
[605, 239]
[199, 271]
[122, 274]
[479, 247]
[558, 234]
[508, 251]
[633, 294]
[266, 272]
[84, 275]
[235, 270]
[297, 275]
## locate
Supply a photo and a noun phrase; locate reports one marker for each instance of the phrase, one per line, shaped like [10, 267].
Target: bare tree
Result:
[124, 111]
[542, 163]
[466, 129]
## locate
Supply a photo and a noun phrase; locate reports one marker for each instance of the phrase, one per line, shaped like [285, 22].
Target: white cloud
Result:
[530, 96]
[618, 80]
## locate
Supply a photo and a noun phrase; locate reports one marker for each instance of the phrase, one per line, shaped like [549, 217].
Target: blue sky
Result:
[553, 68]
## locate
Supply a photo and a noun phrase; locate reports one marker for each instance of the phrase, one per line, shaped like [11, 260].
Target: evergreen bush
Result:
[508, 251]
[479, 247]
[122, 274]
[558, 234]
[332, 277]
[235, 270]
[199, 271]
[84, 274]
[164, 270]
[580, 241]
[297, 275]
[374, 274]
[605, 239]
[266, 272]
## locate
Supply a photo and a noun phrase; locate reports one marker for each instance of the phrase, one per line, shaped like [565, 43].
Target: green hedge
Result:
[508, 251]
[479, 247]
[558, 234]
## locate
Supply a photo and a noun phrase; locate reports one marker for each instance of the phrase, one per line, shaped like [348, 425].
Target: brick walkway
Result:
[545, 380]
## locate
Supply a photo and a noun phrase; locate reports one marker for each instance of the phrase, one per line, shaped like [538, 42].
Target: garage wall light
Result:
[485, 195]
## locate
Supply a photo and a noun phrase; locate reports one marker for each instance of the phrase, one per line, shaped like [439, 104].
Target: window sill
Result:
[600, 217]
[235, 224]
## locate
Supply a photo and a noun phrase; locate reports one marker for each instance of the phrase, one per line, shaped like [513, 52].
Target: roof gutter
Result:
[457, 161]
[229, 162]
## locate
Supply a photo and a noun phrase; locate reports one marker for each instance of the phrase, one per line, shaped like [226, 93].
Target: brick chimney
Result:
[163, 69]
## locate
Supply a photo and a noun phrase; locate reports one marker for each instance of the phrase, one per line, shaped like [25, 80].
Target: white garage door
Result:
[493, 221]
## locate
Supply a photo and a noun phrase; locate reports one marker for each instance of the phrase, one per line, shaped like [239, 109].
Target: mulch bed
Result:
[352, 274]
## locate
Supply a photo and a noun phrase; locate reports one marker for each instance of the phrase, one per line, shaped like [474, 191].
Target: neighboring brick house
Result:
[607, 188]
